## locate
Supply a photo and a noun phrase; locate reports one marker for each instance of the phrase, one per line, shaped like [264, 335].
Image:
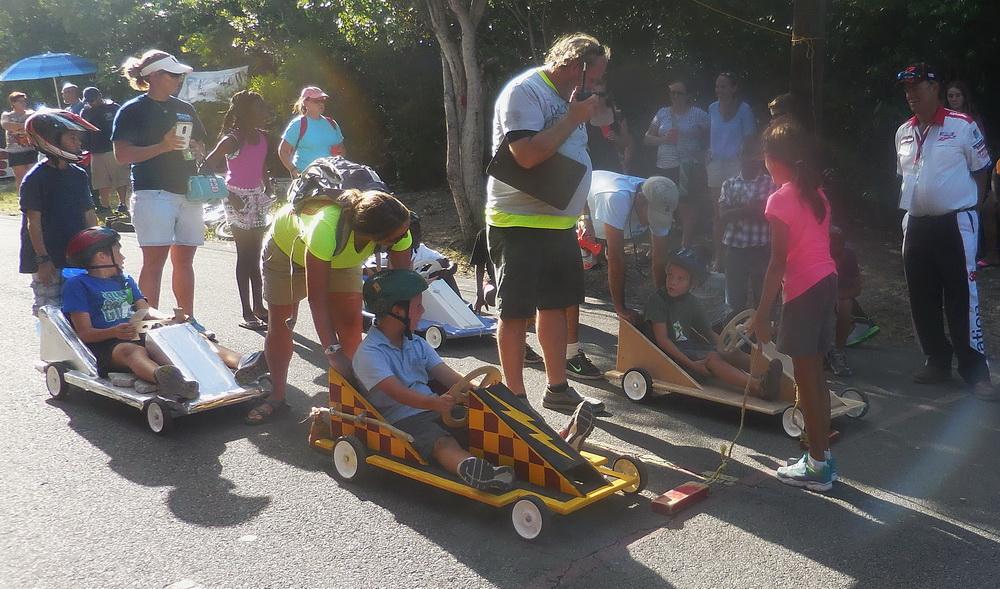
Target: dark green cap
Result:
[389, 287]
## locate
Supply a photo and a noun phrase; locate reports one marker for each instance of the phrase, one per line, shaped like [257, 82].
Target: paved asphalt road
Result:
[90, 498]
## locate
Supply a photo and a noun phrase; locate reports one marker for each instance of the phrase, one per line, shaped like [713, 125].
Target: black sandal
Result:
[259, 416]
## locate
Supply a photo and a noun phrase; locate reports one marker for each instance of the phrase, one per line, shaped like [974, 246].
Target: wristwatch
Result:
[42, 259]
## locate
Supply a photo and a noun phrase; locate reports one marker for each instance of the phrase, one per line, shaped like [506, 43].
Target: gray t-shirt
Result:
[528, 103]
[17, 142]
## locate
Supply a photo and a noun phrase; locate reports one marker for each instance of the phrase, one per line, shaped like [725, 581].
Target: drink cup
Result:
[183, 130]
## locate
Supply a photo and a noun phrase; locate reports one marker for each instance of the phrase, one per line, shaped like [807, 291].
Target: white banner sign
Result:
[213, 86]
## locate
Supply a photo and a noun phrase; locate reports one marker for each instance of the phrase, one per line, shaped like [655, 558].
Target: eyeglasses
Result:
[173, 75]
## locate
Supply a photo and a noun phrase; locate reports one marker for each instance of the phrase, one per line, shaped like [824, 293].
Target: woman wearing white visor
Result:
[161, 136]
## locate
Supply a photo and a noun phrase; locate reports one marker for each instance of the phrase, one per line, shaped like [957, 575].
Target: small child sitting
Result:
[397, 370]
[681, 329]
[848, 289]
[99, 304]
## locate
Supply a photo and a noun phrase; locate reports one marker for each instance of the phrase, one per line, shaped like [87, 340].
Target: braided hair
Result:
[237, 120]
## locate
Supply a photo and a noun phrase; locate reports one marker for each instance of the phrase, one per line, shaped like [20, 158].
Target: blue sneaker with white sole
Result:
[801, 474]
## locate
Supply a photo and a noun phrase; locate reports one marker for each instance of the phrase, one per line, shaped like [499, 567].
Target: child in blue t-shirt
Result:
[397, 369]
[54, 200]
[99, 305]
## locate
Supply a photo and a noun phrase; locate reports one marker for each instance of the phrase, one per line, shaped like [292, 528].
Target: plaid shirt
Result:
[737, 193]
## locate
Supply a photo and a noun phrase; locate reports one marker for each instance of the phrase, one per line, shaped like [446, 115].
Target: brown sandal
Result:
[266, 411]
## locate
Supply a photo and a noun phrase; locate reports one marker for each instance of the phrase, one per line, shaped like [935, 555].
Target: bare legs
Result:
[248, 280]
[814, 400]
[154, 258]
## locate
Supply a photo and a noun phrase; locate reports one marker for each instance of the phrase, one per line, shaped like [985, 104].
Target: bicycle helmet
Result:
[88, 242]
[393, 287]
[46, 128]
[688, 259]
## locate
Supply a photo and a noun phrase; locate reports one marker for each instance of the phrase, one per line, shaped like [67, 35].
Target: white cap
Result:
[166, 64]
[661, 194]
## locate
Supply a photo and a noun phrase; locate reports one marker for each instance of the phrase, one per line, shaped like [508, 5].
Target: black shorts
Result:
[427, 428]
[22, 158]
[537, 269]
[807, 321]
[102, 351]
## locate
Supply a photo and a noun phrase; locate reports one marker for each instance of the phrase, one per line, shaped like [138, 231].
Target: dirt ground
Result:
[878, 248]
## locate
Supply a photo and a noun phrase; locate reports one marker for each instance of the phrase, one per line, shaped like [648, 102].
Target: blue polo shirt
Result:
[377, 359]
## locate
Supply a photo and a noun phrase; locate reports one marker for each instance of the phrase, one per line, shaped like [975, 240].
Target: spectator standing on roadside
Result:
[21, 154]
[680, 134]
[942, 158]
[731, 123]
[146, 135]
[71, 98]
[539, 116]
[106, 174]
[608, 137]
[311, 135]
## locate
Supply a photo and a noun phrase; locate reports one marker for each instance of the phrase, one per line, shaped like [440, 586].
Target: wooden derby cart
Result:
[550, 476]
[644, 371]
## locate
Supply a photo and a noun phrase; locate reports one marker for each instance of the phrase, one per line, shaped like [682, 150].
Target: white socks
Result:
[572, 350]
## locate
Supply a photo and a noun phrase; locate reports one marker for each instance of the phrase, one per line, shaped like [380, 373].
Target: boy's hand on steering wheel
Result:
[442, 404]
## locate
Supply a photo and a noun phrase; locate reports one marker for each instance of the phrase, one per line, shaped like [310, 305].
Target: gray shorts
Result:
[426, 428]
[45, 293]
[807, 321]
[537, 269]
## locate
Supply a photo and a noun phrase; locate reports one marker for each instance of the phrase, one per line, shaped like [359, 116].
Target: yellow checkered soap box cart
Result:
[550, 475]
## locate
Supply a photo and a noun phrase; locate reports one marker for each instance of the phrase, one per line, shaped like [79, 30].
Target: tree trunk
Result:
[463, 106]
[808, 56]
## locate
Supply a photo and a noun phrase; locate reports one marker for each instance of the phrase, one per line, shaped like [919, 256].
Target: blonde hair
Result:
[300, 106]
[134, 65]
[573, 46]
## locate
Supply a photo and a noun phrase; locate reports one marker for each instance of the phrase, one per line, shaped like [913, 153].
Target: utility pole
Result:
[808, 57]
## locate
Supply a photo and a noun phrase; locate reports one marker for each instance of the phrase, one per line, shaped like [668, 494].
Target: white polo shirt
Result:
[611, 200]
[937, 166]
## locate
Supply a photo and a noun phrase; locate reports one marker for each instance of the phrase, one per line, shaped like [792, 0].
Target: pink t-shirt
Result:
[808, 260]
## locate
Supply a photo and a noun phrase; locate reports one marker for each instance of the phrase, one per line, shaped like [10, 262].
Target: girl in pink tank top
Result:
[801, 265]
[243, 147]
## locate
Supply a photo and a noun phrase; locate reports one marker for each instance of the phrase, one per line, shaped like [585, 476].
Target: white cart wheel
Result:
[55, 381]
[434, 336]
[793, 422]
[856, 395]
[530, 518]
[158, 418]
[349, 459]
[636, 384]
[633, 467]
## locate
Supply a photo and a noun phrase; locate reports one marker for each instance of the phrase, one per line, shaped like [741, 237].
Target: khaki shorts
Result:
[721, 170]
[106, 172]
[285, 281]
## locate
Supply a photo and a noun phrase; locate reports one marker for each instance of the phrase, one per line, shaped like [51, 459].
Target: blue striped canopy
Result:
[48, 65]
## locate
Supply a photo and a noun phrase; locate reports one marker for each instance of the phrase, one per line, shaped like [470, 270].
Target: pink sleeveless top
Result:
[245, 169]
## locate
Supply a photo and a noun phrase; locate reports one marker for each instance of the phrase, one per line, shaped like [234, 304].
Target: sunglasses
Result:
[173, 75]
[915, 75]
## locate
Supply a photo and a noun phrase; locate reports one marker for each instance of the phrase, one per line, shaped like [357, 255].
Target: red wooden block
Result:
[680, 497]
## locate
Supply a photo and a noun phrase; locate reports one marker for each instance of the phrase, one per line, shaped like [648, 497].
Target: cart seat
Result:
[60, 343]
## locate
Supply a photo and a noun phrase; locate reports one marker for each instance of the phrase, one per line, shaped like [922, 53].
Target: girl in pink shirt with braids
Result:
[801, 265]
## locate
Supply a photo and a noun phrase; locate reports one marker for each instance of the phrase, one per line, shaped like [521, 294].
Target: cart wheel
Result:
[636, 384]
[856, 395]
[55, 381]
[633, 467]
[793, 422]
[435, 336]
[349, 459]
[158, 417]
[530, 517]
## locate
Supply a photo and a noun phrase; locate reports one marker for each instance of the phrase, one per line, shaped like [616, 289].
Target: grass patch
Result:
[8, 198]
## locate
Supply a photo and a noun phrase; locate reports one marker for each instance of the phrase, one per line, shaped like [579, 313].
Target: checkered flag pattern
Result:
[344, 398]
[493, 440]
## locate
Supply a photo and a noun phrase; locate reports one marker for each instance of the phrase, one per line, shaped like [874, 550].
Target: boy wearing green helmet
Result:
[397, 368]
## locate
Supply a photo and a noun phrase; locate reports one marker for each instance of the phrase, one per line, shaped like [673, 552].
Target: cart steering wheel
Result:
[460, 392]
[736, 332]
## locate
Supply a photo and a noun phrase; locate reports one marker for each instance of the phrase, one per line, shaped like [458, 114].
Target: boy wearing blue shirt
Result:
[397, 369]
[99, 304]
[55, 202]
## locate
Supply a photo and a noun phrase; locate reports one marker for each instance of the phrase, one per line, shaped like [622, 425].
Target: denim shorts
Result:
[166, 218]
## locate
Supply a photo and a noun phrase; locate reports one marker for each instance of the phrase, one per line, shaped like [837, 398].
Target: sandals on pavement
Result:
[253, 325]
[266, 411]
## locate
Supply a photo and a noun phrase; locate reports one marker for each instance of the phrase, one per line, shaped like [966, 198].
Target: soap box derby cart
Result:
[550, 475]
[69, 365]
[644, 371]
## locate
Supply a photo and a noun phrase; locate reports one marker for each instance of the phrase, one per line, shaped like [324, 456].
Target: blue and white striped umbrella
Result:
[48, 65]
